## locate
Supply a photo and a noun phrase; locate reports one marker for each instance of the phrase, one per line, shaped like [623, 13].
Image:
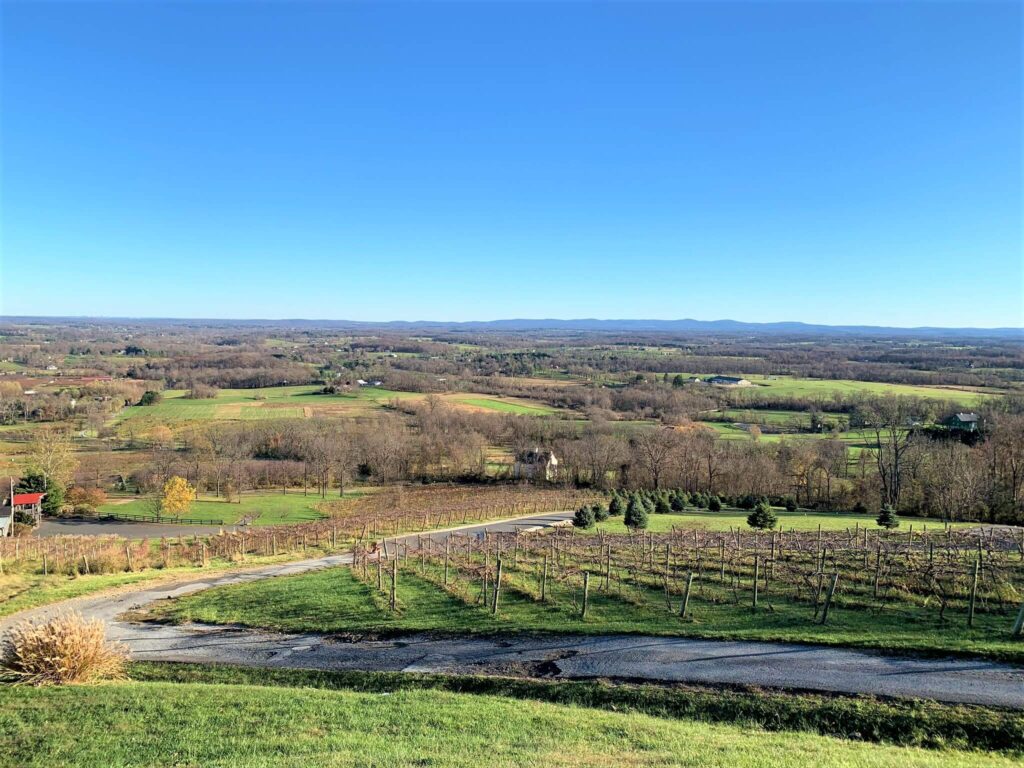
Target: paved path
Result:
[804, 667]
[130, 529]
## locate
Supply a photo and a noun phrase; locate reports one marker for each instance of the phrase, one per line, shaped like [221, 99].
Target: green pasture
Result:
[268, 508]
[803, 387]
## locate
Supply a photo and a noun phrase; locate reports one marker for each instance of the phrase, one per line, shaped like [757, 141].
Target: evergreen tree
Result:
[636, 515]
[762, 517]
[584, 517]
[53, 501]
[715, 504]
[600, 512]
[887, 518]
[790, 504]
[662, 505]
[679, 501]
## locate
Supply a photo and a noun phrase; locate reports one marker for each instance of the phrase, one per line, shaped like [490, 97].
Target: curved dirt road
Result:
[778, 665]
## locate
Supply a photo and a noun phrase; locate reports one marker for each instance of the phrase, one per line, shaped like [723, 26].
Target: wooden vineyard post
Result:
[497, 588]
[878, 570]
[757, 575]
[608, 568]
[974, 594]
[447, 555]
[586, 594]
[128, 557]
[721, 554]
[1018, 625]
[544, 579]
[380, 575]
[828, 597]
[686, 596]
[394, 584]
[205, 559]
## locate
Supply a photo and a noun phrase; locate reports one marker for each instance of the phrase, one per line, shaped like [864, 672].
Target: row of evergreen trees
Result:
[635, 507]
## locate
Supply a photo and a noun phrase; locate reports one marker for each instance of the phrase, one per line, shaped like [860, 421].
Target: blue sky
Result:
[832, 162]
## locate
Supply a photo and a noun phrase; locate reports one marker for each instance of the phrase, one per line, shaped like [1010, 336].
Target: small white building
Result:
[535, 464]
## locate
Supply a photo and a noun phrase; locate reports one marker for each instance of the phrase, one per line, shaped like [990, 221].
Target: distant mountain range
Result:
[587, 324]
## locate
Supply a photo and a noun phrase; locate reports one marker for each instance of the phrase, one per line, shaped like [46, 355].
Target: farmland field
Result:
[339, 600]
[806, 387]
[289, 402]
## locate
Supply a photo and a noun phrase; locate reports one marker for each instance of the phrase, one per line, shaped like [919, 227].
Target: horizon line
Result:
[509, 320]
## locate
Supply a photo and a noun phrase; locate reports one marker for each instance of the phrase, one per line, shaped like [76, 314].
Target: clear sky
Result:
[836, 162]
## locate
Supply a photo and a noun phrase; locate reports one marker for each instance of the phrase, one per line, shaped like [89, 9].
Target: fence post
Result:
[497, 589]
[757, 575]
[544, 580]
[586, 594]
[1018, 625]
[394, 584]
[686, 596]
[974, 594]
[447, 545]
[828, 597]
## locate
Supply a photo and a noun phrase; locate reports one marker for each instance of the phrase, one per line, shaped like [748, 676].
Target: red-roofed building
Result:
[26, 503]
[27, 500]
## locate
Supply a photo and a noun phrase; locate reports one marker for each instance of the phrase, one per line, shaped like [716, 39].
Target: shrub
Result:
[636, 515]
[790, 504]
[860, 508]
[714, 504]
[149, 397]
[584, 517]
[887, 518]
[86, 497]
[84, 510]
[762, 517]
[64, 649]
[202, 392]
[600, 513]
[700, 501]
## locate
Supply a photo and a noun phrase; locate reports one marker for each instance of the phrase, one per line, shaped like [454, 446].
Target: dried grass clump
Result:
[64, 649]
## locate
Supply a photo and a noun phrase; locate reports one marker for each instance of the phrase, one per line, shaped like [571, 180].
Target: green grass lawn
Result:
[335, 601]
[789, 521]
[269, 508]
[124, 724]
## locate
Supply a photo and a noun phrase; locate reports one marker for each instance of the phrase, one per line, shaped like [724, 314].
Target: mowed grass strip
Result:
[177, 724]
[335, 601]
[261, 509]
[904, 722]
